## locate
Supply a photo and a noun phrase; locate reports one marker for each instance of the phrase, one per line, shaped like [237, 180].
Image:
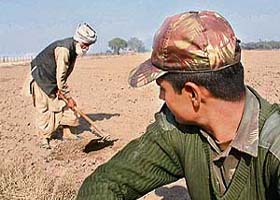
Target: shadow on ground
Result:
[85, 126]
[171, 193]
[102, 116]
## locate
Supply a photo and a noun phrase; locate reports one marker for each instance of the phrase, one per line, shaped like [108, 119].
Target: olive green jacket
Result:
[169, 151]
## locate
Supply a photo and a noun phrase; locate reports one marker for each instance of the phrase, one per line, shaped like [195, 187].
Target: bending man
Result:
[50, 70]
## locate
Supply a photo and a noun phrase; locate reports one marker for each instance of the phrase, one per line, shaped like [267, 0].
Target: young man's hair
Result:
[226, 84]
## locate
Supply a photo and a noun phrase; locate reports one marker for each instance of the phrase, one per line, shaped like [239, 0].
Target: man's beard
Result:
[79, 50]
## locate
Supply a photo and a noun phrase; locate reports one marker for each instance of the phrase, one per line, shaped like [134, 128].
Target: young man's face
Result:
[179, 104]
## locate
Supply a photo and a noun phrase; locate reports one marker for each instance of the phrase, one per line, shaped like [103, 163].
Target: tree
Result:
[117, 44]
[136, 45]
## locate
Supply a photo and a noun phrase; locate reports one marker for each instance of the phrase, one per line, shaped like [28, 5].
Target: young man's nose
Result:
[161, 95]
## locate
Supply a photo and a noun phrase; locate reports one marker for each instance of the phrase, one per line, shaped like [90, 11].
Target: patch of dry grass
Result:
[22, 180]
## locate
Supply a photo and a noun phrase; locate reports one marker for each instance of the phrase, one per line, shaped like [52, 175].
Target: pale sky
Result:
[28, 26]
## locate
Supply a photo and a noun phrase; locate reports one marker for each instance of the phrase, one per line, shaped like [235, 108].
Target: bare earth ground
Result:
[99, 85]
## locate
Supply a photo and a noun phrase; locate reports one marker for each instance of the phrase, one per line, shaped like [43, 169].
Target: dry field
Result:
[99, 85]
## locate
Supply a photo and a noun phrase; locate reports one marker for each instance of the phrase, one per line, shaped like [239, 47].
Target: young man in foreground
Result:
[213, 130]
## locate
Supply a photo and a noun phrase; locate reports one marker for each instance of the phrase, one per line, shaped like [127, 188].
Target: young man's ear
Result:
[194, 93]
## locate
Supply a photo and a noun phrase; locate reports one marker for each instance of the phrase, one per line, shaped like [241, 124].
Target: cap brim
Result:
[144, 74]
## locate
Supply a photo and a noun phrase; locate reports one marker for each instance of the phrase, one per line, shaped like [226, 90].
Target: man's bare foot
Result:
[45, 143]
[67, 134]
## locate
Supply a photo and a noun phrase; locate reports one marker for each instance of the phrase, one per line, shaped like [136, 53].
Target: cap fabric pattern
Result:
[85, 34]
[187, 43]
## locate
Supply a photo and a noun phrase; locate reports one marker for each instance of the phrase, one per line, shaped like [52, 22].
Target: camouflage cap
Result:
[189, 42]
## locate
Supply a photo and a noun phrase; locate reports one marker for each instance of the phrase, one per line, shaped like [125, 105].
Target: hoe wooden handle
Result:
[87, 118]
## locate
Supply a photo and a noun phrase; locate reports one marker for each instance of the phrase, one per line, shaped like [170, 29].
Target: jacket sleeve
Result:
[62, 62]
[278, 184]
[143, 165]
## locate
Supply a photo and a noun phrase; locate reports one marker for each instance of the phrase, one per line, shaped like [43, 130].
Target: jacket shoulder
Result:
[166, 122]
[165, 119]
[270, 134]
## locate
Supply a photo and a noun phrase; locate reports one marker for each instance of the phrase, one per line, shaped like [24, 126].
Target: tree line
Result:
[265, 45]
[133, 44]
[136, 45]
